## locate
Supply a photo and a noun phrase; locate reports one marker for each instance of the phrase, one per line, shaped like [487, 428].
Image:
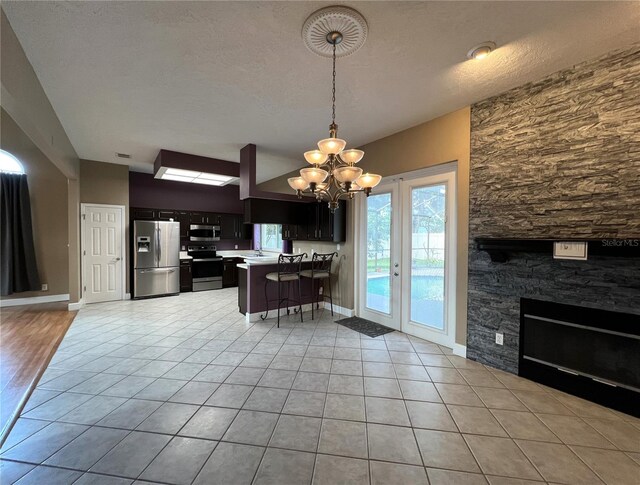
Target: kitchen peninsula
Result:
[251, 286]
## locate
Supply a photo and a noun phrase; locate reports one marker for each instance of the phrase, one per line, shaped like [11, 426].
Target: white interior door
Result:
[379, 287]
[406, 251]
[103, 252]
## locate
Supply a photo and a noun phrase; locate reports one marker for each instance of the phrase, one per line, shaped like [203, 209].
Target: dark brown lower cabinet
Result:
[230, 272]
[242, 291]
[186, 278]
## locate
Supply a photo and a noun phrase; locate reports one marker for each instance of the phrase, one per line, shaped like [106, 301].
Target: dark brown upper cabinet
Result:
[232, 226]
[164, 215]
[228, 226]
[204, 218]
[197, 218]
[183, 219]
[144, 214]
[320, 225]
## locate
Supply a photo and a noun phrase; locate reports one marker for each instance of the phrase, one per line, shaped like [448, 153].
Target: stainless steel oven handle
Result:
[206, 259]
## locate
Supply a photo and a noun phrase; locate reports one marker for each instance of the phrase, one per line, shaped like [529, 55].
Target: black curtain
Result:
[17, 254]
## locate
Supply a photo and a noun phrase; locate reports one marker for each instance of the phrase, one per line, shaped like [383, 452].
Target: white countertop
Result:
[184, 255]
[236, 253]
[262, 260]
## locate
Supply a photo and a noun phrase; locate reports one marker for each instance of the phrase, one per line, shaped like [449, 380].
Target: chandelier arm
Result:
[336, 184]
[341, 162]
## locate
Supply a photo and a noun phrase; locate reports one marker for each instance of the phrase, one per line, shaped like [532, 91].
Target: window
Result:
[9, 163]
[271, 237]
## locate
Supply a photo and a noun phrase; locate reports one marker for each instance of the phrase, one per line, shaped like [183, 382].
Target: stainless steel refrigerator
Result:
[156, 258]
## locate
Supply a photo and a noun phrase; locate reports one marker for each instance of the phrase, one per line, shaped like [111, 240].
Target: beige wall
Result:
[27, 103]
[107, 183]
[442, 140]
[34, 119]
[49, 199]
[73, 216]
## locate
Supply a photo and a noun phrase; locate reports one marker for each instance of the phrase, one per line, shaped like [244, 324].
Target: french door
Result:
[407, 253]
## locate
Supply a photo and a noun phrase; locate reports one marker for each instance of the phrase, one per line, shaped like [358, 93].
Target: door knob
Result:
[117, 259]
[396, 274]
[396, 265]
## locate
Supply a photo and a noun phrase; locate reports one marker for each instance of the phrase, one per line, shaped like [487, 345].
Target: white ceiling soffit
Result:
[209, 77]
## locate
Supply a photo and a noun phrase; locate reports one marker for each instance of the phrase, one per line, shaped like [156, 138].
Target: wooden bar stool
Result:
[288, 272]
[320, 271]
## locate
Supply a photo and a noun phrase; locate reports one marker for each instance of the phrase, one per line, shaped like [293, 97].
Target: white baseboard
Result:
[127, 296]
[34, 300]
[347, 312]
[76, 306]
[460, 350]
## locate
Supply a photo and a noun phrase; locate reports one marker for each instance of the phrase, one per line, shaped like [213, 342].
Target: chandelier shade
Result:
[331, 146]
[347, 174]
[369, 180]
[314, 175]
[315, 157]
[351, 156]
[297, 183]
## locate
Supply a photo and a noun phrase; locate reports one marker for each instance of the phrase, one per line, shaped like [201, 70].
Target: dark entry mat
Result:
[366, 327]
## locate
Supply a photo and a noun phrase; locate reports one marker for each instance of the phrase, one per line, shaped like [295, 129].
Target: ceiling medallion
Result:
[333, 174]
[349, 22]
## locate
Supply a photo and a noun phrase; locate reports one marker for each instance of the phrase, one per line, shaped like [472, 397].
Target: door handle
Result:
[396, 265]
[117, 259]
[396, 274]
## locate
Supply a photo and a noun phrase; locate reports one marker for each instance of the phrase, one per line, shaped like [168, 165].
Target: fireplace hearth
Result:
[587, 352]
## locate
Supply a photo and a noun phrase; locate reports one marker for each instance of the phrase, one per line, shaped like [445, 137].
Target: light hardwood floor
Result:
[29, 336]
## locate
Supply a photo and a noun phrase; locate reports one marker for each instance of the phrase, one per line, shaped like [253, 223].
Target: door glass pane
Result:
[427, 255]
[379, 252]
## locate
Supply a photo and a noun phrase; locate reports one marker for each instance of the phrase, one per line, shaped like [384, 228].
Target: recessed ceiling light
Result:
[177, 178]
[201, 180]
[481, 50]
[215, 176]
[184, 173]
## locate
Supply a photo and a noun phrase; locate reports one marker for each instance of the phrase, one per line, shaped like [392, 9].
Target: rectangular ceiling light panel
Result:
[191, 176]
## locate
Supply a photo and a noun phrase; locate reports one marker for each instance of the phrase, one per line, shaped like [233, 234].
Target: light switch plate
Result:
[570, 250]
[499, 338]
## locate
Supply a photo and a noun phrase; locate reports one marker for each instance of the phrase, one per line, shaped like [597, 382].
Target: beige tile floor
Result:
[181, 390]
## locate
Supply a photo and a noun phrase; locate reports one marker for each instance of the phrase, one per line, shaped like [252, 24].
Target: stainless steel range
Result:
[206, 267]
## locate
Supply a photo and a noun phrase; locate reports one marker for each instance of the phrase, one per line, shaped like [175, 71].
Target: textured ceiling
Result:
[209, 77]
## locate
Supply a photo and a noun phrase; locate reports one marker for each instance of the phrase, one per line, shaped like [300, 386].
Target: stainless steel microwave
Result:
[202, 232]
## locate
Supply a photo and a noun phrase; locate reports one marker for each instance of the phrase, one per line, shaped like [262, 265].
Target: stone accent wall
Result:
[554, 159]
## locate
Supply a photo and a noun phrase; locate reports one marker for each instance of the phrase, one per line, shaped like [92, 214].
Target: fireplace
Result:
[591, 353]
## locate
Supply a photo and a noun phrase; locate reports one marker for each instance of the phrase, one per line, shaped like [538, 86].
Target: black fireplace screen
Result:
[589, 352]
[594, 352]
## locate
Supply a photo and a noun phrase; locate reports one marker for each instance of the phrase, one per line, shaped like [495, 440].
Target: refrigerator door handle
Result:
[158, 270]
[159, 245]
